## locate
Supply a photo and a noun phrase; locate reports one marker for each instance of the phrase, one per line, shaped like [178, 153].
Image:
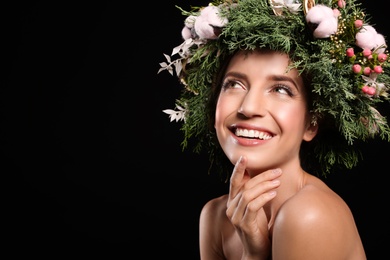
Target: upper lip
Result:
[251, 132]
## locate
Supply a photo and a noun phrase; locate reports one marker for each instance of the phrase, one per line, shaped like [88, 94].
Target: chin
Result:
[254, 161]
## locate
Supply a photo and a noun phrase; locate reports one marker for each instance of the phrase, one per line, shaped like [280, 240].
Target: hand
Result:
[247, 196]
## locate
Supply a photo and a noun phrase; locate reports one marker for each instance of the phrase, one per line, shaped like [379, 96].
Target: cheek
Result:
[225, 107]
[292, 117]
[218, 115]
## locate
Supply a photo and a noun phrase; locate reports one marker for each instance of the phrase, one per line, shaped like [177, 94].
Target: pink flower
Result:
[367, 71]
[341, 3]
[382, 57]
[350, 52]
[367, 52]
[358, 23]
[369, 90]
[356, 68]
[336, 12]
[378, 69]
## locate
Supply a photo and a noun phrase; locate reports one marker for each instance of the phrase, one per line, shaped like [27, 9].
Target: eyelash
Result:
[285, 88]
[276, 88]
[230, 84]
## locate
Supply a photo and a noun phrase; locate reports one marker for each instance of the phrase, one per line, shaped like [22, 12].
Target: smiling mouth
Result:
[254, 134]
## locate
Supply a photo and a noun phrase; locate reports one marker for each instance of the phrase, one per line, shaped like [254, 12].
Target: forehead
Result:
[263, 60]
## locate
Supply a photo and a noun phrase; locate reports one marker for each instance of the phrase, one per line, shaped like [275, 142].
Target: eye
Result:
[232, 84]
[283, 89]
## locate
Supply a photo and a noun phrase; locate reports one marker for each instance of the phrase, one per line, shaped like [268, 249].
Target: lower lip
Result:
[248, 142]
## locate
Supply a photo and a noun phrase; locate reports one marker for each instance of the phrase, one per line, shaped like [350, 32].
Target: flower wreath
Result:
[331, 40]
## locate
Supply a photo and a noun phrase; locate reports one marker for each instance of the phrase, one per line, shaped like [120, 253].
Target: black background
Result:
[93, 161]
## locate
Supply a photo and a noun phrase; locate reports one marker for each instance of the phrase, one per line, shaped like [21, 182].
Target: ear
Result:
[311, 130]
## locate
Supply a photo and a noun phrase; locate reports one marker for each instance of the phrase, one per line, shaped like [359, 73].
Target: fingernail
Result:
[277, 171]
[272, 193]
[239, 160]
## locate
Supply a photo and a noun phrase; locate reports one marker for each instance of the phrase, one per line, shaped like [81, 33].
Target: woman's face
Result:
[261, 111]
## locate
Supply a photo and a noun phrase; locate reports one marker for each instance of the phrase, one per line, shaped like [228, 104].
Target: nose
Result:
[253, 104]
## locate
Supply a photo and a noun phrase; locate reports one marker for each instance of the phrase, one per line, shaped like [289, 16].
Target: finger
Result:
[258, 192]
[235, 186]
[269, 175]
[257, 202]
[237, 178]
[251, 200]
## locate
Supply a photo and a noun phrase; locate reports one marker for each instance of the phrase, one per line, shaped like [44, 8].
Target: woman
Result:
[282, 90]
[261, 120]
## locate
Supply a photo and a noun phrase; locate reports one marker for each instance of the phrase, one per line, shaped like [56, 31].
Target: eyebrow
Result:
[235, 74]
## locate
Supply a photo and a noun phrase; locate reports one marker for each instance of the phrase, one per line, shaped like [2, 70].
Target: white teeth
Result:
[252, 134]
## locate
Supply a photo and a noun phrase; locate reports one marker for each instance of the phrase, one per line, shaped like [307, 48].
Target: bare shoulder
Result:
[215, 206]
[212, 222]
[213, 217]
[316, 222]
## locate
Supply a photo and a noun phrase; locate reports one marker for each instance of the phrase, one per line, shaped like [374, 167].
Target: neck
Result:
[292, 180]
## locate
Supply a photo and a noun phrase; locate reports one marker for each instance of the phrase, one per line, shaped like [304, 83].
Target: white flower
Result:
[369, 38]
[325, 19]
[183, 50]
[292, 5]
[207, 23]
[176, 115]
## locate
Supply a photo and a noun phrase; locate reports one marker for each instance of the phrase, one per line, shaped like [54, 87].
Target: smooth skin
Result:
[274, 209]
